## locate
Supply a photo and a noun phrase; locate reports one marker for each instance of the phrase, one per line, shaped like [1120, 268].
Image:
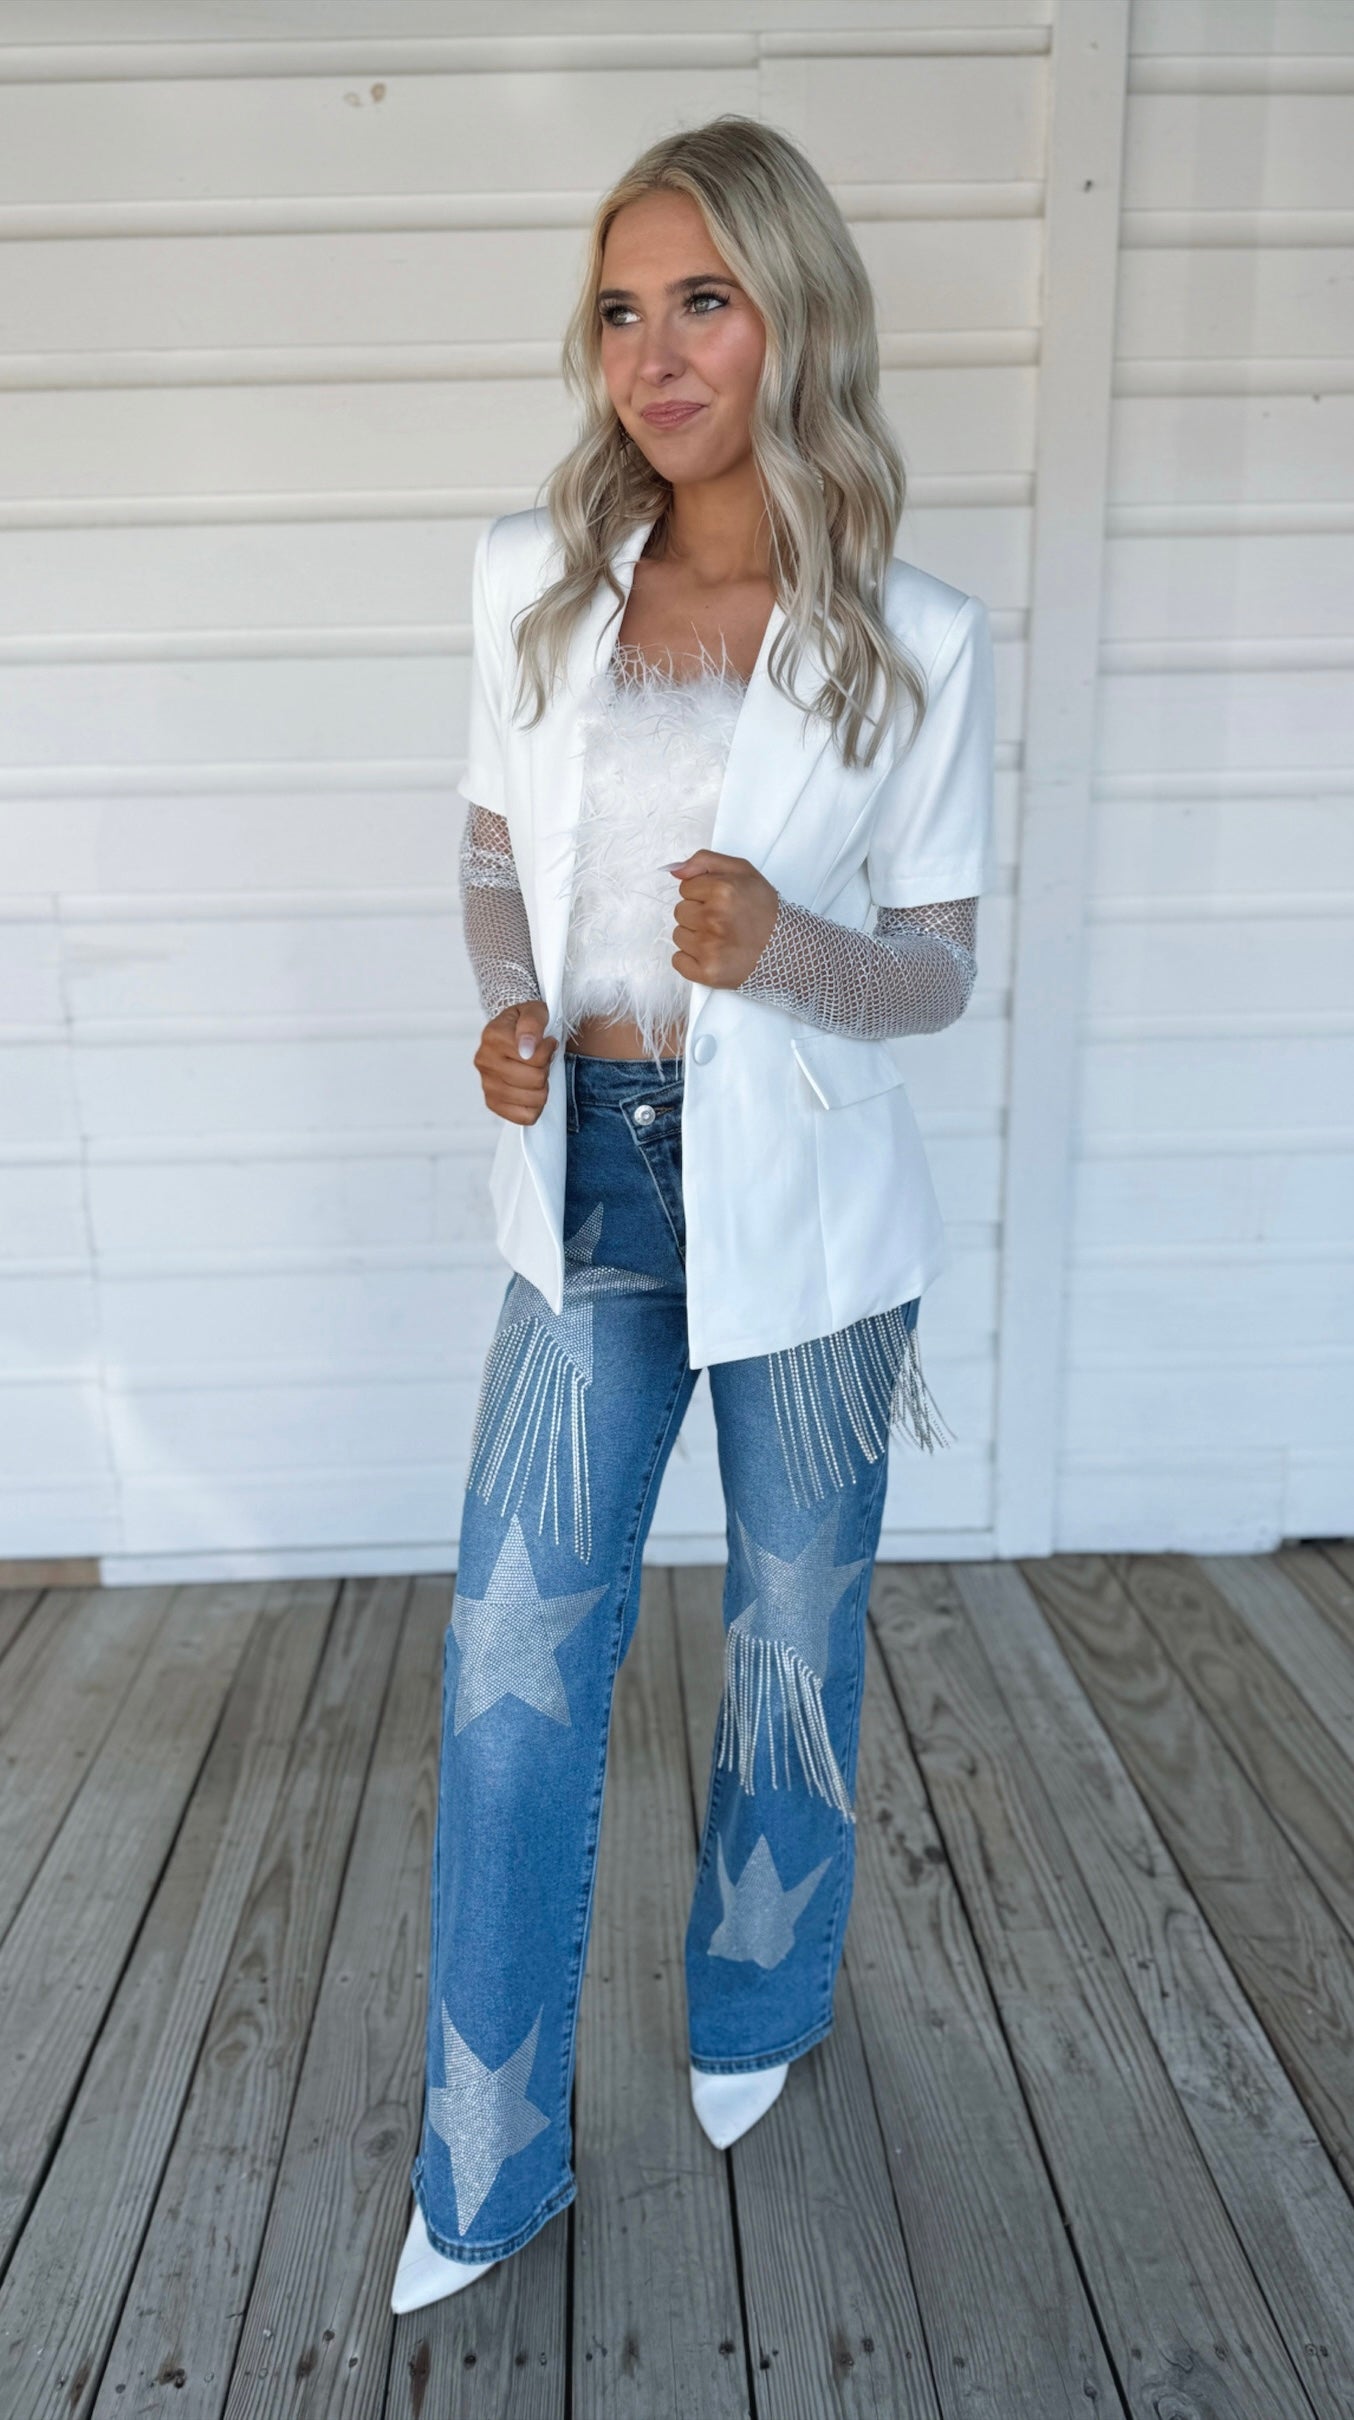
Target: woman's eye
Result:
[620, 315]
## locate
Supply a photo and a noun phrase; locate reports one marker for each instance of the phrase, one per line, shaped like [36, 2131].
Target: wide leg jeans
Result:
[577, 1415]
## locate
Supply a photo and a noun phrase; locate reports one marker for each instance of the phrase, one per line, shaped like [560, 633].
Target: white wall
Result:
[279, 309]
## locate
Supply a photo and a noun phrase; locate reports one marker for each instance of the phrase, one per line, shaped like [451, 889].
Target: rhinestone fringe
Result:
[755, 1671]
[870, 1372]
[530, 1382]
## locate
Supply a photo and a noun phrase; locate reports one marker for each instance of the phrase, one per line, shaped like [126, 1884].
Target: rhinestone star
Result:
[508, 1637]
[482, 2114]
[794, 1601]
[571, 1326]
[759, 1915]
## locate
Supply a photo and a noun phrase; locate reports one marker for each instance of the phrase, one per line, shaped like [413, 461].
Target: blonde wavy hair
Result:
[830, 469]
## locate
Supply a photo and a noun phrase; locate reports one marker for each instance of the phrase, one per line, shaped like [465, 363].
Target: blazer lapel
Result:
[771, 758]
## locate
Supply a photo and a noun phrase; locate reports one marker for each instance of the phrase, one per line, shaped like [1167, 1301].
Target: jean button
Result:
[645, 1114]
[703, 1048]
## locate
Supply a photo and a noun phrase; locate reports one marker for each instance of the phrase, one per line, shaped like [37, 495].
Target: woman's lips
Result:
[670, 415]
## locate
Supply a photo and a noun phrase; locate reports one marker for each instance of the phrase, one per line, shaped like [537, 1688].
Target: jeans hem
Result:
[451, 2249]
[764, 2058]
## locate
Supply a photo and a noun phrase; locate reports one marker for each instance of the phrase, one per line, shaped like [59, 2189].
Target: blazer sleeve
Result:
[932, 827]
[482, 781]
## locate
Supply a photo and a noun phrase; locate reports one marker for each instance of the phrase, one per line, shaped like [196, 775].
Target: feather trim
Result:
[656, 749]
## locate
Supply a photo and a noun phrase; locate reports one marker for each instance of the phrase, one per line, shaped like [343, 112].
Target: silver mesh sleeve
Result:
[494, 916]
[913, 974]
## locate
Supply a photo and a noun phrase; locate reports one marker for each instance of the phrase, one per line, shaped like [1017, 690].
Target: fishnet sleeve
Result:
[494, 916]
[912, 975]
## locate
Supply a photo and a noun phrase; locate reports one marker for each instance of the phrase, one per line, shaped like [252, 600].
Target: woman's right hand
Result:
[514, 1062]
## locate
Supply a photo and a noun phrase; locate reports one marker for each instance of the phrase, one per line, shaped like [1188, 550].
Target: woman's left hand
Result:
[724, 914]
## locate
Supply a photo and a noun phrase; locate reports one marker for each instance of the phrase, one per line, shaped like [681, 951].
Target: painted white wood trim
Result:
[1089, 83]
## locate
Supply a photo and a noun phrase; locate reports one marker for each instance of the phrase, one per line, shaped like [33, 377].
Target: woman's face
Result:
[682, 345]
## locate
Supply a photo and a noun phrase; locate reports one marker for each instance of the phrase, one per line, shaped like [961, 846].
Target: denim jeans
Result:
[576, 1418]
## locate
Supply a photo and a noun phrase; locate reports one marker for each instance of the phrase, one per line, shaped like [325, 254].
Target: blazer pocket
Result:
[843, 1068]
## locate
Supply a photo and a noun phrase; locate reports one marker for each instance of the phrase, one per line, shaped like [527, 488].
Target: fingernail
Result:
[526, 1046]
[675, 864]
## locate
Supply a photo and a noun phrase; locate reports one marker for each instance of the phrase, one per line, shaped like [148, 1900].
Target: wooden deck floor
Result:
[1081, 2142]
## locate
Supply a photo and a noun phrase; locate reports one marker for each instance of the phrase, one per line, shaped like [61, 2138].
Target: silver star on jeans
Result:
[508, 1637]
[482, 2114]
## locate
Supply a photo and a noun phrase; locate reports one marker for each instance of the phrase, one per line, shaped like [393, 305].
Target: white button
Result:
[703, 1048]
[645, 1114]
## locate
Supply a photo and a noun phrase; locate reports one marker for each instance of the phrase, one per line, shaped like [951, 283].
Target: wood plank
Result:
[175, 2348]
[1327, 1574]
[831, 2308]
[319, 2327]
[1287, 1622]
[1005, 2312]
[16, 1606]
[1288, 1951]
[1172, 2290]
[1276, 1739]
[64, 1953]
[657, 2324]
[1283, 2194]
[69, 1671]
[62, 2294]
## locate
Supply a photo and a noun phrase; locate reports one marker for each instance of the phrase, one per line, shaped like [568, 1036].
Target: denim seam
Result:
[678, 1240]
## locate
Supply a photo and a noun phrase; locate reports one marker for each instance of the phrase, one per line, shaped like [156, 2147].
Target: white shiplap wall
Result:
[279, 311]
[1208, 1386]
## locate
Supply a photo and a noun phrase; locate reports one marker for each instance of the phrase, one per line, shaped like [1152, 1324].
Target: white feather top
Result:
[655, 751]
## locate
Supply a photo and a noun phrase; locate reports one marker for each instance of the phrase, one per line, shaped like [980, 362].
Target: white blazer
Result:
[807, 1193]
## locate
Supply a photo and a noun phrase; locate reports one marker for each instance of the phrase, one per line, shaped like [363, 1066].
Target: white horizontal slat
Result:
[1201, 449]
[1233, 1307]
[1260, 1406]
[338, 575]
[205, 713]
[1316, 1496]
[1238, 151]
[413, 1079]
[1275, 1199]
[324, 839]
[1256, 303]
[531, 26]
[1213, 1501]
[363, 966]
[1297, 584]
[387, 575]
[42, 1211]
[380, 134]
[943, 117]
[1288, 966]
[208, 714]
[1282, 1087]
[473, 288]
[1188, 721]
[270, 440]
[1215, 29]
[1235, 848]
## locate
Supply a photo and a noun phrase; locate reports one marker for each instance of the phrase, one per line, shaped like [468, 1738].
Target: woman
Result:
[703, 638]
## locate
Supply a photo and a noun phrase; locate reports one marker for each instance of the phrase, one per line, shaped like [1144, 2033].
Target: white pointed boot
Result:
[728, 2104]
[425, 2275]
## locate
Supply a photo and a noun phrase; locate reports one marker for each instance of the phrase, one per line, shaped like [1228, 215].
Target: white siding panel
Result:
[1266, 149]
[279, 322]
[1246, 304]
[341, 134]
[1270, 447]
